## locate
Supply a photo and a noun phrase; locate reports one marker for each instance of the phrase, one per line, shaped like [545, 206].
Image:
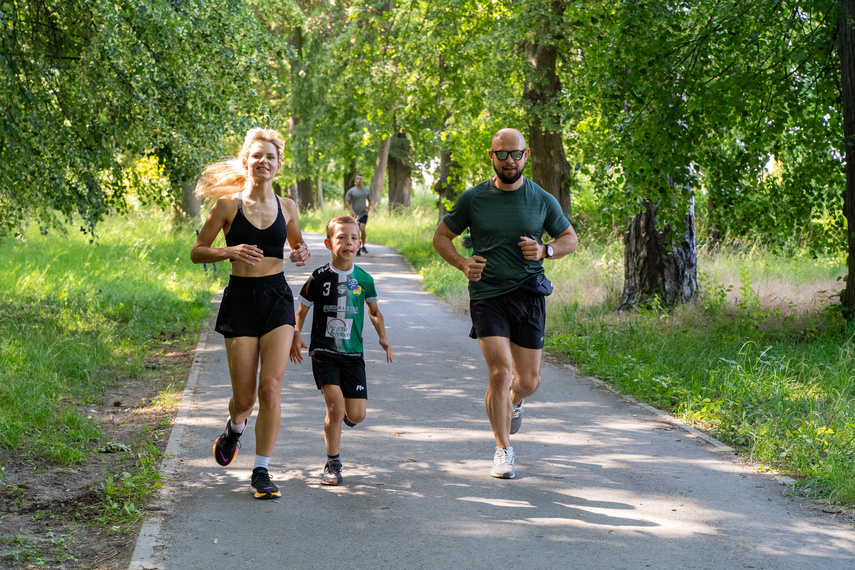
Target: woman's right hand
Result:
[245, 253]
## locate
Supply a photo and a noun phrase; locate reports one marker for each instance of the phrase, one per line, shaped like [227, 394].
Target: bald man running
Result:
[507, 216]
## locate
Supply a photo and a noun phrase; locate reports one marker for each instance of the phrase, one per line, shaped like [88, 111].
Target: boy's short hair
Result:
[339, 220]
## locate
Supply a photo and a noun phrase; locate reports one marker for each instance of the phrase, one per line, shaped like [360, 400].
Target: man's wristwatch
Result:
[549, 251]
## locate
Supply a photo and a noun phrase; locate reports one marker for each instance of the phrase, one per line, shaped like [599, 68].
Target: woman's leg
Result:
[273, 349]
[242, 353]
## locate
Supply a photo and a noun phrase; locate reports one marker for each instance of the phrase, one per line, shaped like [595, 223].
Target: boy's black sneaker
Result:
[347, 422]
[332, 472]
[262, 486]
[226, 446]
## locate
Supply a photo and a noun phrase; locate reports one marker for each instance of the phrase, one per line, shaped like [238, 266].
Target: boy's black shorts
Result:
[254, 306]
[346, 372]
[518, 315]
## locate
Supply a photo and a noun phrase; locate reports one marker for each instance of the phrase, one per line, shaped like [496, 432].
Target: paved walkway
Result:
[601, 483]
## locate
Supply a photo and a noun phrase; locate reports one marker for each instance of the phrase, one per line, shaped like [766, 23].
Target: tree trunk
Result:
[379, 172]
[446, 185]
[713, 224]
[349, 180]
[305, 194]
[448, 180]
[651, 270]
[320, 186]
[400, 172]
[189, 208]
[846, 38]
[298, 140]
[549, 166]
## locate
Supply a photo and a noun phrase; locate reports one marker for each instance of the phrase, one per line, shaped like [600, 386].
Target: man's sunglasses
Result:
[503, 154]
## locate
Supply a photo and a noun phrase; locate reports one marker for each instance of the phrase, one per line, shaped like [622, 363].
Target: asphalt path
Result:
[600, 482]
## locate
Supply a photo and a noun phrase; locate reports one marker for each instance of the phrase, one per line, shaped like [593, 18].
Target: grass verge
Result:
[77, 316]
[87, 328]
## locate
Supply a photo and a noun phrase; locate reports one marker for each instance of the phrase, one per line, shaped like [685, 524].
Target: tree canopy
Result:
[89, 86]
[735, 110]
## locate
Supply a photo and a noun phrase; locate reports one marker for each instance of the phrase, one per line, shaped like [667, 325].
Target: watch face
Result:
[549, 251]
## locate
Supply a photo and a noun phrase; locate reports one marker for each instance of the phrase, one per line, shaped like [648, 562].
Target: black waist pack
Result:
[538, 285]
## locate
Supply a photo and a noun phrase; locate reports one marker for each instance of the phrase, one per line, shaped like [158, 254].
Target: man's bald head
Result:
[508, 139]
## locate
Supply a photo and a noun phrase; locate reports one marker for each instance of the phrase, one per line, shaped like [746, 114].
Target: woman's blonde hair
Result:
[229, 176]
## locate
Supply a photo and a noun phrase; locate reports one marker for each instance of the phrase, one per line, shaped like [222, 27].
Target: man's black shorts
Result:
[518, 315]
[254, 306]
[346, 372]
[363, 219]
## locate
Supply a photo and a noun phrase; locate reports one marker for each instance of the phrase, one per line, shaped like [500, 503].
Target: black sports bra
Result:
[271, 240]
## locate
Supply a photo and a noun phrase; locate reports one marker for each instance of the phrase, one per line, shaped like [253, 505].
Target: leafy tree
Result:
[89, 86]
[705, 93]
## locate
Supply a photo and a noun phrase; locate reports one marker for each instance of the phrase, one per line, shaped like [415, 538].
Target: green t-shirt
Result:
[496, 219]
[339, 299]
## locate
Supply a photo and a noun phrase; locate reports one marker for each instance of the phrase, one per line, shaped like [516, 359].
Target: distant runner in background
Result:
[358, 201]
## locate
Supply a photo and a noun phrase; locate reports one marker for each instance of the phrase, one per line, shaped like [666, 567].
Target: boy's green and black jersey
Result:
[338, 298]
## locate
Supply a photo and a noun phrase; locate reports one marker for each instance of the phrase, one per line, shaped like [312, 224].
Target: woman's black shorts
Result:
[254, 306]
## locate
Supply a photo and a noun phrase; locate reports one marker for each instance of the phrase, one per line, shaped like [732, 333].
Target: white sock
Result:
[261, 461]
[237, 428]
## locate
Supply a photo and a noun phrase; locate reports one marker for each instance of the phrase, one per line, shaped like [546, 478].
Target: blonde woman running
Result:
[257, 312]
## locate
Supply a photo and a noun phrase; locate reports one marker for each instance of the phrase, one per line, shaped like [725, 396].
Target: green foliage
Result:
[367, 70]
[37, 553]
[695, 98]
[122, 496]
[778, 385]
[89, 87]
[76, 316]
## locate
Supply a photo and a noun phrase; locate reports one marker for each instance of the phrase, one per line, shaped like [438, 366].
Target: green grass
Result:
[77, 317]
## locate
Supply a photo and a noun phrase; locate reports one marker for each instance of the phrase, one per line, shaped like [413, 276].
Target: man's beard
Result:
[508, 179]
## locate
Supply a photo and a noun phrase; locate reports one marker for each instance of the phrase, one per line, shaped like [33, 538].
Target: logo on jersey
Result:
[342, 289]
[353, 285]
[338, 328]
[340, 309]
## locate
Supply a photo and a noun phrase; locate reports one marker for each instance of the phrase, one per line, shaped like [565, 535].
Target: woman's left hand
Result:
[300, 255]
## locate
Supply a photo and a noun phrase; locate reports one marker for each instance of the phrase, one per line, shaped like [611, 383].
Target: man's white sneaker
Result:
[516, 417]
[503, 463]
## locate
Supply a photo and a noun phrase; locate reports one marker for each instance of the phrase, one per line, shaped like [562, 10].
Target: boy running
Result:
[339, 292]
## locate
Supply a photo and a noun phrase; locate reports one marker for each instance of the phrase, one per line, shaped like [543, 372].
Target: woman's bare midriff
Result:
[267, 266]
